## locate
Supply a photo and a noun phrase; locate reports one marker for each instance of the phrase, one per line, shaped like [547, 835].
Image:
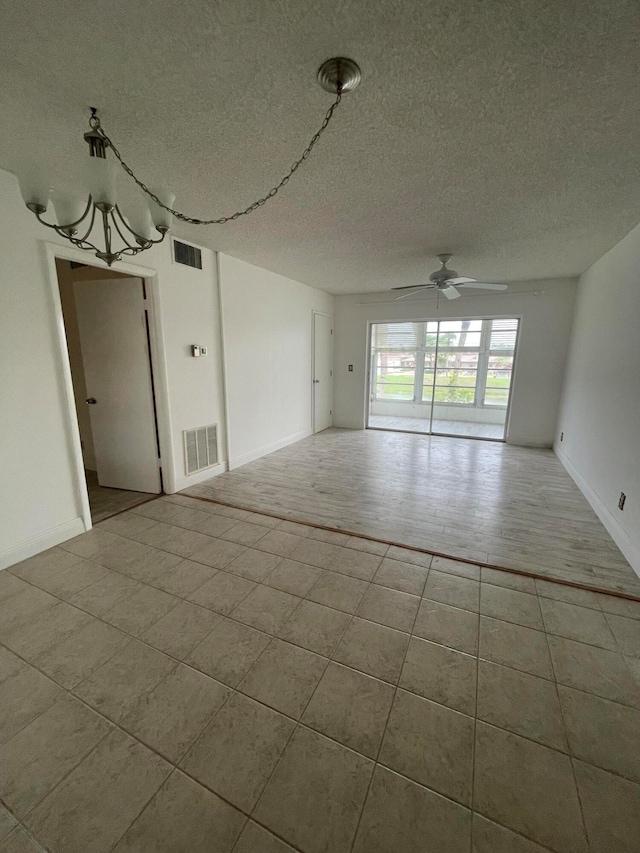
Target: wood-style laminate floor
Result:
[107, 502]
[491, 502]
[421, 425]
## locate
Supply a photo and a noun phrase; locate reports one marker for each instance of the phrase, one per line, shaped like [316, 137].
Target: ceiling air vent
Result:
[187, 255]
[200, 448]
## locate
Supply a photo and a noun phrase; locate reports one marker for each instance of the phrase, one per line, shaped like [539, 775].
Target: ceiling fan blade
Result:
[411, 286]
[483, 285]
[404, 295]
[450, 292]
[461, 279]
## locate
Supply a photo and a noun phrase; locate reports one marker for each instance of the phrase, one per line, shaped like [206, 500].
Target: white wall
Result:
[267, 335]
[40, 504]
[600, 411]
[545, 309]
[190, 312]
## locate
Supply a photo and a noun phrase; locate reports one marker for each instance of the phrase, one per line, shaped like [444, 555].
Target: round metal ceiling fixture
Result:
[338, 75]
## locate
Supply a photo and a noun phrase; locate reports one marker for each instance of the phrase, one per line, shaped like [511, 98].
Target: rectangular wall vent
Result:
[200, 448]
[187, 255]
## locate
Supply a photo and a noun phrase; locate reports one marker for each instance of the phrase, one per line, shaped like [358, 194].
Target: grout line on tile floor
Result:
[384, 730]
[389, 542]
[297, 723]
[475, 735]
[230, 617]
[566, 737]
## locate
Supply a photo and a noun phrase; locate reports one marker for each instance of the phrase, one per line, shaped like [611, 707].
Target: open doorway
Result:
[443, 377]
[108, 341]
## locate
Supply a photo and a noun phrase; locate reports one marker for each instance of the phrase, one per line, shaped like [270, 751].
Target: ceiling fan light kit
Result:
[143, 225]
[448, 282]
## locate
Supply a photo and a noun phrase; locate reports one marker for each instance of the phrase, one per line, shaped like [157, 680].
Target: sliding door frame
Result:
[370, 374]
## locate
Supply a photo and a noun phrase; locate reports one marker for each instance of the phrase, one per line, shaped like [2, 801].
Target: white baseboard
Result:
[52, 536]
[238, 461]
[524, 441]
[354, 424]
[617, 533]
[185, 481]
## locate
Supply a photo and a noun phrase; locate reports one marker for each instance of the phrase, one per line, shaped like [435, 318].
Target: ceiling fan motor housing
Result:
[444, 273]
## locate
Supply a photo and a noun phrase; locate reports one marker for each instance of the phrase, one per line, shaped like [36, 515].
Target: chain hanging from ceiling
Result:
[192, 220]
[135, 227]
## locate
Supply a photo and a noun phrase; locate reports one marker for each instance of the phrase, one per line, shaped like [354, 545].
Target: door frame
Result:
[55, 251]
[314, 314]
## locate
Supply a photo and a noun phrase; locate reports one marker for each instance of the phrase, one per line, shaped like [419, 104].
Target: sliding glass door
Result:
[447, 377]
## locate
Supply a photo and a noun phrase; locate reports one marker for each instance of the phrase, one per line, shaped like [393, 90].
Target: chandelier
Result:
[144, 225]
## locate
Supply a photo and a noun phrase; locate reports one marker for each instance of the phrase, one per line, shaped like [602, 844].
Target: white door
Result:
[115, 356]
[322, 371]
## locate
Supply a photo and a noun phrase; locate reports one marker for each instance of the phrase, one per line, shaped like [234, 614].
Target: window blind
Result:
[503, 334]
[397, 337]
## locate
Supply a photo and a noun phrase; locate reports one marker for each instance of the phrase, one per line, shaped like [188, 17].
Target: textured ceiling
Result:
[505, 131]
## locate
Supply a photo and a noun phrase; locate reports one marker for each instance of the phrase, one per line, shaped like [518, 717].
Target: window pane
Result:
[500, 362]
[459, 339]
[427, 393]
[459, 325]
[400, 373]
[453, 394]
[397, 361]
[460, 333]
[458, 359]
[498, 380]
[461, 378]
[431, 334]
[391, 391]
[496, 397]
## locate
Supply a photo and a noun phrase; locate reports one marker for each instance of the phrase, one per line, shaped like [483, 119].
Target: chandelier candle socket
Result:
[134, 232]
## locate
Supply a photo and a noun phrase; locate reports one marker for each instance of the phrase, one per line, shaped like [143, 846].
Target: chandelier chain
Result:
[96, 125]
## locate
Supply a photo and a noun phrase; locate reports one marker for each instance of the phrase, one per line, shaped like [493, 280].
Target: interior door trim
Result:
[314, 314]
[150, 277]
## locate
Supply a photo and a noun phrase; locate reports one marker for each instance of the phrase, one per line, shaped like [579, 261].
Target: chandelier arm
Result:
[95, 125]
[83, 244]
[53, 225]
[148, 241]
[115, 222]
[133, 250]
[90, 228]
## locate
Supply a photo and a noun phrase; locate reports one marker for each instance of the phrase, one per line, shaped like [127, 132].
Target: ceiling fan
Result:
[448, 281]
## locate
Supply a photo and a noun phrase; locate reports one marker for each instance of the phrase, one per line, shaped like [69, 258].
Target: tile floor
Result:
[187, 677]
[105, 502]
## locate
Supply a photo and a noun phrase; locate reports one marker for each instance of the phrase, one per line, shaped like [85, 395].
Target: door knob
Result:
[316, 381]
[91, 401]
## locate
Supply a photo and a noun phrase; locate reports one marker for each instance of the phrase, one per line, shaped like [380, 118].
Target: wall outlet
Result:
[561, 436]
[623, 498]
[350, 368]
